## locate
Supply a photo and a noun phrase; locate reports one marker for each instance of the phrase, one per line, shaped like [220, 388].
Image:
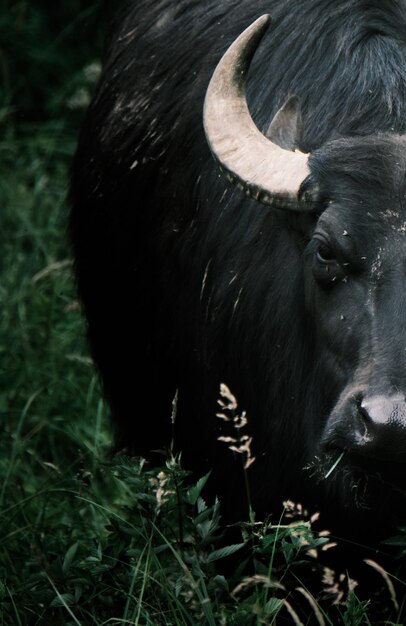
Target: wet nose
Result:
[383, 411]
[381, 427]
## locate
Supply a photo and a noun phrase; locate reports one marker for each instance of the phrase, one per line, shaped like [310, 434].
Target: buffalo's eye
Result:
[325, 255]
[327, 269]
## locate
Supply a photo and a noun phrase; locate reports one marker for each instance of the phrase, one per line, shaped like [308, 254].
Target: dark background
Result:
[43, 49]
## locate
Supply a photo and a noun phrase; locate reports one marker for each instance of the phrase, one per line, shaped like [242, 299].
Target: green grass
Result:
[86, 539]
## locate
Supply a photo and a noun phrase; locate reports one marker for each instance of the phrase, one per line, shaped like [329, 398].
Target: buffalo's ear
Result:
[286, 127]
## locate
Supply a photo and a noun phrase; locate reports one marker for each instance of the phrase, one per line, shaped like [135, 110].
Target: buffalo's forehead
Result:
[363, 181]
[363, 170]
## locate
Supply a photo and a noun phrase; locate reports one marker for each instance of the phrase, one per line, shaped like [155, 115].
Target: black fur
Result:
[186, 283]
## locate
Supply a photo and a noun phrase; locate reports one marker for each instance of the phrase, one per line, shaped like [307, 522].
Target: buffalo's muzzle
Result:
[373, 426]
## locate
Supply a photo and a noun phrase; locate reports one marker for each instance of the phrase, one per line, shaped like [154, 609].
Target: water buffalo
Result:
[289, 286]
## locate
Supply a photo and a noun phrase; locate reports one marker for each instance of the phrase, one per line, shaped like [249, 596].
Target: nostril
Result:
[363, 423]
[363, 410]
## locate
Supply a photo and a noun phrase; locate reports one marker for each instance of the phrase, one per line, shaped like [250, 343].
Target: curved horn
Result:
[260, 167]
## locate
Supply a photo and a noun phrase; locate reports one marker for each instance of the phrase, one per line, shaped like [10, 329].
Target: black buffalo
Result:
[297, 302]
